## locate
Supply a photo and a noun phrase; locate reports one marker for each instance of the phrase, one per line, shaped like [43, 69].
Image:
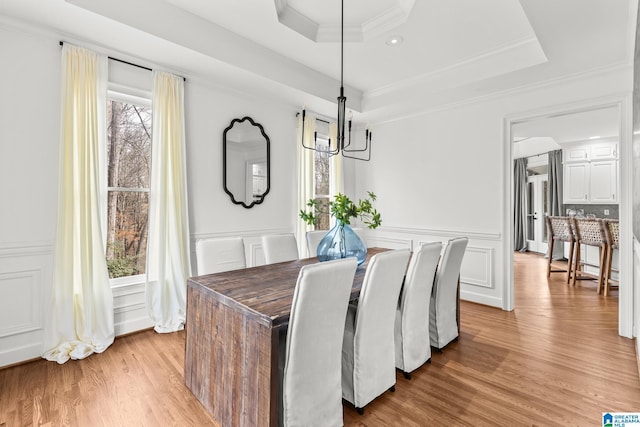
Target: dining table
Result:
[234, 323]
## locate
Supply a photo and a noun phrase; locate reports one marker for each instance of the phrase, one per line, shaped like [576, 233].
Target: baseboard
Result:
[480, 299]
[638, 356]
[20, 355]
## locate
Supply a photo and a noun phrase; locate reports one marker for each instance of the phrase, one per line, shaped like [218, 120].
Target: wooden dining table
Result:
[233, 326]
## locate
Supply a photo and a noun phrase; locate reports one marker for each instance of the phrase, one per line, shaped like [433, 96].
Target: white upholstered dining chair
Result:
[279, 248]
[368, 356]
[413, 347]
[313, 240]
[443, 322]
[311, 377]
[214, 255]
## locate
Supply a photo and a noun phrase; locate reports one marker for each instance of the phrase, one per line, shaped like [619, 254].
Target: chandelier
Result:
[342, 101]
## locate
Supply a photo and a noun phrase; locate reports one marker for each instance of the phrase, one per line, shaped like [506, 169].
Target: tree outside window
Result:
[129, 157]
[322, 175]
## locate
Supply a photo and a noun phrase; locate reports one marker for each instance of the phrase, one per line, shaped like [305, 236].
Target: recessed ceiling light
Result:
[395, 40]
[594, 137]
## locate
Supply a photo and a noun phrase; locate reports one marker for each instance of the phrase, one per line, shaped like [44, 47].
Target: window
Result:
[128, 173]
[322, 175]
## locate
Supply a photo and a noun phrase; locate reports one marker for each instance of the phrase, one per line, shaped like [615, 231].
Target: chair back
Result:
[559, 228]
[443, 325]
[279, 248]
[589, 231]
[219, 254]
[373, 339]
[413, 348]
[313, 240]
[312, 391]
[612, 232]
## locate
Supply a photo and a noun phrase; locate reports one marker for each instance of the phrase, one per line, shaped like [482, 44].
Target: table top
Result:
[265, 293]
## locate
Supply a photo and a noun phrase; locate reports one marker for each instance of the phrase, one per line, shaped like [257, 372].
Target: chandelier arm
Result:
[367, 140]
[357, 158]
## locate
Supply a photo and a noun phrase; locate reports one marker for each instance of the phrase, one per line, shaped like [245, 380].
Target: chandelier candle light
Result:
[342, 101]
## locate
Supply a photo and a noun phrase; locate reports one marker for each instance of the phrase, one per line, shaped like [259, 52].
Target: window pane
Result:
[127, 233]
[128, 157]
[530, 209]
[128, 150]
[321, 168]
[323, 215]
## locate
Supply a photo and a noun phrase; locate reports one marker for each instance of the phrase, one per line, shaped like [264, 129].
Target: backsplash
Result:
[597, 210]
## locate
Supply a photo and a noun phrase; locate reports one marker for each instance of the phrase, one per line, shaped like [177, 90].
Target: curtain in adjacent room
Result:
[168, 259]
[520, 204]
[554, 194]
[81, 320]
[306, 179]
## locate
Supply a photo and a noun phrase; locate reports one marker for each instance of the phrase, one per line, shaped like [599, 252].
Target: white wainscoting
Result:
[26, 271]
[130, 312]
[478, 282]
[25, 283]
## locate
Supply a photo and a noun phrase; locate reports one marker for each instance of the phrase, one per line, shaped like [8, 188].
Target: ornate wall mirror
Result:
[245, 164]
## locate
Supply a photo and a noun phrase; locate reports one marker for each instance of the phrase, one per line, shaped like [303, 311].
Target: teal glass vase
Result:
[341, 242]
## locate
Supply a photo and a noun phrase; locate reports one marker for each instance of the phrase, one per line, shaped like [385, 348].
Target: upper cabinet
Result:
[591, 173]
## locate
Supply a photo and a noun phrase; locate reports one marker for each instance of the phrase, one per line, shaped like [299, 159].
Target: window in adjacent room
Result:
[322, 175]
[128, 172]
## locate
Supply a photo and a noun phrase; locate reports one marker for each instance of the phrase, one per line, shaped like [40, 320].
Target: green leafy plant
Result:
[343, 209]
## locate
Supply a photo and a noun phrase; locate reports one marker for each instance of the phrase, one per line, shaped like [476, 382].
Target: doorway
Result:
[581, 115]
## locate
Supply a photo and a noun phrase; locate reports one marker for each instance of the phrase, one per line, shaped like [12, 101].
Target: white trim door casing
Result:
[623, 103]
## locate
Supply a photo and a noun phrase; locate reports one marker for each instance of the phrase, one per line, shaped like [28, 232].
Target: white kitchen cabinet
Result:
[576, 183]
[603, 181]
[591, 173]
[603, 151]
[590, 152]
[576, 154]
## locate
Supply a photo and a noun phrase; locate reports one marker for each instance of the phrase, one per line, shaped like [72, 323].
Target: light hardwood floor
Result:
[555, 360]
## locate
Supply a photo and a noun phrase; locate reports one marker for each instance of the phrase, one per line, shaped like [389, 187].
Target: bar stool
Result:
[559, 228]
[590, 232]
[612, 237]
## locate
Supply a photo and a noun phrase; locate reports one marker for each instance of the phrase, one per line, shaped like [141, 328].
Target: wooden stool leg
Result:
[576, 264]
[601, 257]
[570, 262]
[550, 256]
[607, 270]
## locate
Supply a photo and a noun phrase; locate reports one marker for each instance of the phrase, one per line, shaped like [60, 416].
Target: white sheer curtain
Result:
[168, 263]
[306, 179]
[82, 303]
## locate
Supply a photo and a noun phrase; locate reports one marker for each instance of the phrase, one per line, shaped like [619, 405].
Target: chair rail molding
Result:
[450, 233]
[478, 281]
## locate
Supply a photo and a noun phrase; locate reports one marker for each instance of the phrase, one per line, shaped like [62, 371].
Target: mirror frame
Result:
[224, 162]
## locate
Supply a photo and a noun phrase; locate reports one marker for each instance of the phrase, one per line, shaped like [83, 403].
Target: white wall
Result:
[29, 135]
[29, 88]
[441, 174]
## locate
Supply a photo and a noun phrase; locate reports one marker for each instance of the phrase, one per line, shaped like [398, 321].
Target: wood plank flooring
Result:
[555, 360]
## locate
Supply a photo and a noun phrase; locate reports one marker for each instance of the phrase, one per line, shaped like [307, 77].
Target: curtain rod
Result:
[317, 118]
[130, 63]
